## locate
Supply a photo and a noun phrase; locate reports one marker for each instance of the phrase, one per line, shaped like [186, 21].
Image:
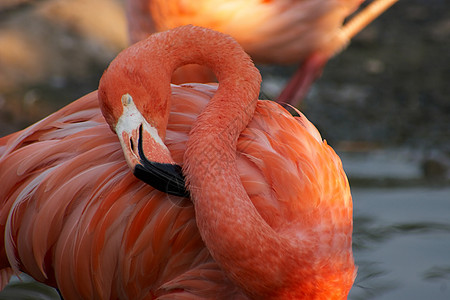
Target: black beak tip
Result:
[167, 178]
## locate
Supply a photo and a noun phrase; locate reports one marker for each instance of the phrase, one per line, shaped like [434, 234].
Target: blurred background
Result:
[383, 104]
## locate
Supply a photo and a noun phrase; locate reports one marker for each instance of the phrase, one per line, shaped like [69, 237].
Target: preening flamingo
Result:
[309, 32]
[270, 210]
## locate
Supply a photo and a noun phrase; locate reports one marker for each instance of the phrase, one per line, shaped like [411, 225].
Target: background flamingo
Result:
[277, 31]
[74, 216]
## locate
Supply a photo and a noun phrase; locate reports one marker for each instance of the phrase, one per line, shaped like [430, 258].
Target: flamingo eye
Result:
[126, 99]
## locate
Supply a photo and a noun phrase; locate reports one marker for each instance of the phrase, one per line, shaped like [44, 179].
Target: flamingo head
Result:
[135, 102]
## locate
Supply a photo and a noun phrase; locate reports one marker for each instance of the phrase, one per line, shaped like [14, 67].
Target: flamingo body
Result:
[277, 31]
[81, 221]
[308, 32]
[73, 215]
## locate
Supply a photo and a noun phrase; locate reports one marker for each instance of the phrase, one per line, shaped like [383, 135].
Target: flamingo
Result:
[249, 202]
[271, 31]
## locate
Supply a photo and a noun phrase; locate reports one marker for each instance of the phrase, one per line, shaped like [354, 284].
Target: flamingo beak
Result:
[146, 153]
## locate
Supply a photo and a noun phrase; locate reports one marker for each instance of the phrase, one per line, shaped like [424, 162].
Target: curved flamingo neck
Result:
[227, 219]
[253, 255]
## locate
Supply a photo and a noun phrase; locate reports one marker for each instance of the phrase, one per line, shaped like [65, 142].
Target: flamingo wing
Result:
[73, 216]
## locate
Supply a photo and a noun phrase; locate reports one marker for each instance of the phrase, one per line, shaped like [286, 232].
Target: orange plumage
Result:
[74, 216]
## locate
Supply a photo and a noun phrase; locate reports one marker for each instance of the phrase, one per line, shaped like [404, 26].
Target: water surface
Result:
[402, 243]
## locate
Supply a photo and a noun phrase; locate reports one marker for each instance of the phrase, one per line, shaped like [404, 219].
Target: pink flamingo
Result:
[270, 210]
[309, 32]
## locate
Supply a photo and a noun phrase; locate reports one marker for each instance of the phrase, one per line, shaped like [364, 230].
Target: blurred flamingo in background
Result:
[309, 32]
[270, 214]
